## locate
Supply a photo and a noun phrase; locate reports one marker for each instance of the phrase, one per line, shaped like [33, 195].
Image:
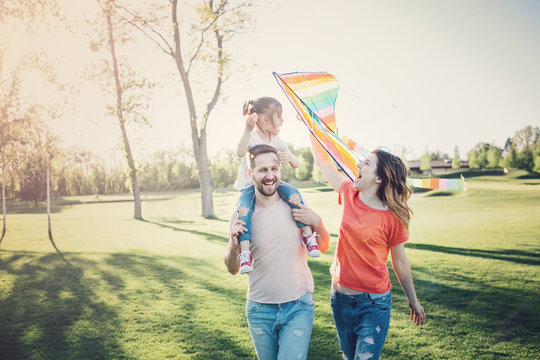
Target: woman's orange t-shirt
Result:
[365, 238]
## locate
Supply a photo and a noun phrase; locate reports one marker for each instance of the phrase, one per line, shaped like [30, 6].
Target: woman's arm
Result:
[402, 268]
[332, 175]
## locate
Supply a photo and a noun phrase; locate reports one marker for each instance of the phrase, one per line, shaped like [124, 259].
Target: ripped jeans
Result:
[281, 331]
[362, 323]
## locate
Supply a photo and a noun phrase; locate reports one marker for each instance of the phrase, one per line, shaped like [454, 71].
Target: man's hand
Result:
[237, 228]
[230, 257]
[305, 214]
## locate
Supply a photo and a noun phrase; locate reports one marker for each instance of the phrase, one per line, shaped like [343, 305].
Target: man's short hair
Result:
[258, 150]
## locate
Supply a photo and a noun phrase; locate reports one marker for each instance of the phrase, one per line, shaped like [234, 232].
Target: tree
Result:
[527, 137]
[472, 156]
[437, 155]
[127, 86]
[493, 157]
[456, 161]
[17, 18]
[211, 27]
[511, 160]
[305, 170]
[404, 158]
[526, 159]
[537, 160]
[425, 162]
[40, 146]
[317, 175]
[527, 142]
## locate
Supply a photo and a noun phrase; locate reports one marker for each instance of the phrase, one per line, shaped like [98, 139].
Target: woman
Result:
[375, 222]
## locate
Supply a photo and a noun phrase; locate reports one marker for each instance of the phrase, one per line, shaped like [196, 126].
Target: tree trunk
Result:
[49, 197]
[137, 214]
[205, 180]
[4, 212]
[199, 142]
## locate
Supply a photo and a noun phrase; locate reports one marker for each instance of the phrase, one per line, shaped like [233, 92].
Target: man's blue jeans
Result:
[247, 200]
[281, 331]
[362, 323]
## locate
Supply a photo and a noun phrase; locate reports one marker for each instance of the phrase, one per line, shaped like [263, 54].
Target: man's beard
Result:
[264, 191]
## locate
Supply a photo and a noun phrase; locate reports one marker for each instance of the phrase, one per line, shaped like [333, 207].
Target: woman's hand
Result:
[418, 316]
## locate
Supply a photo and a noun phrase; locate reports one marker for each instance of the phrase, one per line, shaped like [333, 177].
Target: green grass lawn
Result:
[158, 289]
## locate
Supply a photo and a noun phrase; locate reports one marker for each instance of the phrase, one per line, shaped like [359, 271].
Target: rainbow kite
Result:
[313, 95]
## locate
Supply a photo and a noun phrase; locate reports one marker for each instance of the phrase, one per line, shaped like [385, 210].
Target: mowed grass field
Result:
[158, 289]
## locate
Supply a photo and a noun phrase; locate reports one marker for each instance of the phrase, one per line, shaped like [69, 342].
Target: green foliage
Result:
[511, 160]
[456, 161]
[526, 159]
[524, 149]
[437, 155]
[224, 169]
[493, 157]
[305, 170]
[425, 162]
[32, 179]
[317, 175]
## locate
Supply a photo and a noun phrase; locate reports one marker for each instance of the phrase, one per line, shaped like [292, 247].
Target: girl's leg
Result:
[245, 206]
[289, 193]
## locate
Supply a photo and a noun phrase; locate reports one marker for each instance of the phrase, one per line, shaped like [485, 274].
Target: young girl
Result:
[262, 127]
[374, 223]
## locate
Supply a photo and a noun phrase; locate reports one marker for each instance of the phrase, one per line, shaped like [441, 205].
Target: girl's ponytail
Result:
[247, 109]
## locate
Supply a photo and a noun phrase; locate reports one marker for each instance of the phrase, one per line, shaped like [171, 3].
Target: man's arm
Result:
[230, 257]
[308, 216]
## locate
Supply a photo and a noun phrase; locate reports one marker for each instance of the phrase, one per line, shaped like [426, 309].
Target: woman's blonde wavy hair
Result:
[394, 191]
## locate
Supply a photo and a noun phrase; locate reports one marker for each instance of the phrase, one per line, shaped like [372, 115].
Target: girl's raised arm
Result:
[244, 140]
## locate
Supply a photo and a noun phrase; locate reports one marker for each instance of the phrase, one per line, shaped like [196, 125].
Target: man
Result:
[279, 307]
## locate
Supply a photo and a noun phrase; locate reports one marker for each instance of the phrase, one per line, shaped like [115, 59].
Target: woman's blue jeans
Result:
[281, 331]
[247, 200]
[362, 323]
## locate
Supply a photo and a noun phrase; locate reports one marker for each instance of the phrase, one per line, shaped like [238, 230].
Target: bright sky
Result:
[416, 74]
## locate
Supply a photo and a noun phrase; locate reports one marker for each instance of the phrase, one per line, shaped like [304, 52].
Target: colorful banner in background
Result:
[441, 184]
[313, 95]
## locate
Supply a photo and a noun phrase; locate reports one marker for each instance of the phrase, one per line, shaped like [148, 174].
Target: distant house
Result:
[437, 166]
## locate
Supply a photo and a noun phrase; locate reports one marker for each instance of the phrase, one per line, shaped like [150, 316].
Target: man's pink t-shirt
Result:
[365, 238]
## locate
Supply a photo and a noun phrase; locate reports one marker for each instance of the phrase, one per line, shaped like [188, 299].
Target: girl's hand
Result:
[251, 121]
[283, 157]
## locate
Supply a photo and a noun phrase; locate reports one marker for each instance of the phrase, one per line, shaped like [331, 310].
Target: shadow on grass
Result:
[516, 256]
[473, 306]
[21, 209]
[51, 312]
[206, 235]
[121, 306]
